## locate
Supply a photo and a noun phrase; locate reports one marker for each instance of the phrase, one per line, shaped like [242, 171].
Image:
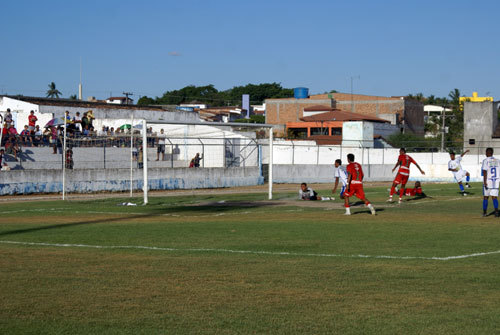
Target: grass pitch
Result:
[239, 264]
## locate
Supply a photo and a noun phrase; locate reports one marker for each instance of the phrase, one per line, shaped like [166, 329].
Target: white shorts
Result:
[490, 192]
[460, 176]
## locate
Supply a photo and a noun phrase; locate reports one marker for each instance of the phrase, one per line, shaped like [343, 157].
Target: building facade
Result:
[406, 113]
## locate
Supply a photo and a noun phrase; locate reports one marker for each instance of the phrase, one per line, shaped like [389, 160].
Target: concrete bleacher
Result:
[32, 158]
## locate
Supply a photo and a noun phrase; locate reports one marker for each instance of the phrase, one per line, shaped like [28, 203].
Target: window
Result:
[319, 131]
[298, 133]
[336, 131]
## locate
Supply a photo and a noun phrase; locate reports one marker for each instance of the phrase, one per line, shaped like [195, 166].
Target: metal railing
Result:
[116, 151]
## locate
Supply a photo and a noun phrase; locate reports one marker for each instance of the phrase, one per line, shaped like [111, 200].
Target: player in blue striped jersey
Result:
[340, 174]
[491, 180]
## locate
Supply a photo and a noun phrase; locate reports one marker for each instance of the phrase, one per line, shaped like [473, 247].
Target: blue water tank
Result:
[301, 93]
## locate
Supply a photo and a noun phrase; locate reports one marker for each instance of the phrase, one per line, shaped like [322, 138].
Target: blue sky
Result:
[149, 47]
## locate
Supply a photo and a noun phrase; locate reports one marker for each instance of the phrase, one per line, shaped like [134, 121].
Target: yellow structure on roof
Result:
[475, 98]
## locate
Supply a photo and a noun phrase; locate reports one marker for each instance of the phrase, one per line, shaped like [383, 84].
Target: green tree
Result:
[145, 101]
[53, 92]
[73, 97]
[210, 95]
[454, 119]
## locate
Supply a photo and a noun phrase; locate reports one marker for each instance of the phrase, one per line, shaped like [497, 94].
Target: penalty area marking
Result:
[229, 251]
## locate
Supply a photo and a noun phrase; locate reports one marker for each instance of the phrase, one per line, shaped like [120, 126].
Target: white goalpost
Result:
[226, 124]
[219, 149]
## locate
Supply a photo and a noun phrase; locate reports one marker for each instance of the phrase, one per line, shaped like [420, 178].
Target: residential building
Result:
[120, 100]
[405, 113]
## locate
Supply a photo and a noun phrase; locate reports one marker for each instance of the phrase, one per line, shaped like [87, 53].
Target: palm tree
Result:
[53, 92]
[455, 97]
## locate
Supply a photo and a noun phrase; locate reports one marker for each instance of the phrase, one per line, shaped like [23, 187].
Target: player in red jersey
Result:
[355, 185]
[416, 191]
[403, 162]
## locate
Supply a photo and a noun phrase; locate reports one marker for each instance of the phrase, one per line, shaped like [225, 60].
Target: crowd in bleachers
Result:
[80, 132]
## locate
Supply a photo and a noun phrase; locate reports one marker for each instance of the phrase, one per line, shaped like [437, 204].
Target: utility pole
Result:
[126, 94]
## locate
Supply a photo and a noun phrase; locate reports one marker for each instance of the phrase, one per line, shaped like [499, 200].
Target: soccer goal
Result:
[144, 155]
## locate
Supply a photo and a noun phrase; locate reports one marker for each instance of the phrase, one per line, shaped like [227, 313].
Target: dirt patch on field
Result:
[166, 193]
[286, 203]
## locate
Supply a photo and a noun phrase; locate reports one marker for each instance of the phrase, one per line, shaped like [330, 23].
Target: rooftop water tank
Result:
[301, 93]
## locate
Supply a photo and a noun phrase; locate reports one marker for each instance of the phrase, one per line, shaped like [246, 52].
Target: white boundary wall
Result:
[307, 155]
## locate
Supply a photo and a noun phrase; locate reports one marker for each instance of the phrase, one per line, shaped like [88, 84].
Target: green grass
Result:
[320, 286]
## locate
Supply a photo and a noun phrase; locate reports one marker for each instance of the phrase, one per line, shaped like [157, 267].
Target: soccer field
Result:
[237, 263]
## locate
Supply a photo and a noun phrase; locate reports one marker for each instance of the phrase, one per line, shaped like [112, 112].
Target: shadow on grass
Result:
[71, 224]
[415, 198]
[377, 210]
[213, 208]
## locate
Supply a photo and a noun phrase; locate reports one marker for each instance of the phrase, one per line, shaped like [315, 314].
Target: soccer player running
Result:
[491, 180]
[403, 162]
[340, 174]
[355, 185]
[459, 173]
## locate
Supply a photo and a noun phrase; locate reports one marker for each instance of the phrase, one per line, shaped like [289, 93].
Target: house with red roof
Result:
[325, 125]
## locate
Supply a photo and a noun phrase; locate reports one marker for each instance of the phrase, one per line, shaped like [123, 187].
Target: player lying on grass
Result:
[340, 174]
[355, 185]
[416, 191]
[460, 174]
[490, 170]
[307, 193]
[403, 162]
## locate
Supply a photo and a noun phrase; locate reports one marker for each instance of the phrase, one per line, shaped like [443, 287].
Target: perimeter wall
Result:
[306, 162]
[118, 180]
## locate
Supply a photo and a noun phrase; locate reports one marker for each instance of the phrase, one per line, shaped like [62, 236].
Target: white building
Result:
[120, 100]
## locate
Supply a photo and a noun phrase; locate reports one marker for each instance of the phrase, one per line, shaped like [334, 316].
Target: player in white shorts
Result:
[340, 173]
[460, 174]
[491, 180]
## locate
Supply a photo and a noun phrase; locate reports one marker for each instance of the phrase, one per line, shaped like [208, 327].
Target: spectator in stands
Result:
[46, 136]
[26, 137]
[197, 160]
[12, 147]
[90, 117]
[37, 136]
[8, 118]
[77, 120]
[3, 163]
[32, 121]
[134, 153]
[161, 145]
[67, 116]
[69, 158]
[12, 131]
[53, 138]
[85, 121]
[151, 139]
[140, 158]
[5, 132]
[102, 132]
